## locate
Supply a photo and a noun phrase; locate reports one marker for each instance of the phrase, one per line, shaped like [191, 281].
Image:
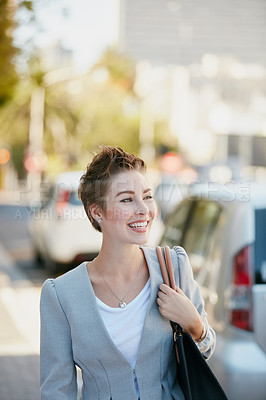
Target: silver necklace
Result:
[122, 302]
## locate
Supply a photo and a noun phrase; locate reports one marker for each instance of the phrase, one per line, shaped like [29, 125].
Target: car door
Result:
[259, 287]
[193, 226]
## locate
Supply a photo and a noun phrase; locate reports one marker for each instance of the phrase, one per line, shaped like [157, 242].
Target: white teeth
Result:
[139, 225]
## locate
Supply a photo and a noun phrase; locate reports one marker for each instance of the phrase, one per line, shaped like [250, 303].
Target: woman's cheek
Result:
[154, 210]
[118, 213]
[113, 214]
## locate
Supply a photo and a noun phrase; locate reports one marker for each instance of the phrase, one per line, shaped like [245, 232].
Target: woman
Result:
[111, 316]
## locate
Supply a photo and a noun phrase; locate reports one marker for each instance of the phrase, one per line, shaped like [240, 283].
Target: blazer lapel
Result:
[153, 315]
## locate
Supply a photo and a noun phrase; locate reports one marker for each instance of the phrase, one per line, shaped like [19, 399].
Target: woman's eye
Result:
[127, 200]
[149, 197]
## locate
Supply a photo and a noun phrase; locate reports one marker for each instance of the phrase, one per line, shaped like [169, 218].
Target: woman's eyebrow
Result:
[132, 191]
[125, 191]
[147, 190]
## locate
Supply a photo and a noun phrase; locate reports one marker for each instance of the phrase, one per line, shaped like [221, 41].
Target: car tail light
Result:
[240, 301]
[62, 201]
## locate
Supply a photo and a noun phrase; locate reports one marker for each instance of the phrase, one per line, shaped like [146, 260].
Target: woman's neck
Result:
[113, 259]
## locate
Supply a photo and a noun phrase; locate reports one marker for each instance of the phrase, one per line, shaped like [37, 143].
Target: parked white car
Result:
[223, 229]
[60, 231]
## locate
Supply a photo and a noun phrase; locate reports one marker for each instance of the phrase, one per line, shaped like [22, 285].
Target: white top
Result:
[125, 325]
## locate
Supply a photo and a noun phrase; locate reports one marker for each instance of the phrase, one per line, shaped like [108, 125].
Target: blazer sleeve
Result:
[57, 368]
[192, 290]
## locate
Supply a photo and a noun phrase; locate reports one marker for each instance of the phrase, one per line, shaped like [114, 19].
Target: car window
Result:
[199, 232]
[260, 246]
[167, 196]
[175, 226]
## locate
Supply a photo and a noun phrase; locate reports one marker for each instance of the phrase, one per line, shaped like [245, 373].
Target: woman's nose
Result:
[141, 208]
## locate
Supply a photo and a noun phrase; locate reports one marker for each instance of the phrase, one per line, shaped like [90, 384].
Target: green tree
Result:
[80, 113]
[8, 74]
[8, 51]
[120, 67]
[14, 123]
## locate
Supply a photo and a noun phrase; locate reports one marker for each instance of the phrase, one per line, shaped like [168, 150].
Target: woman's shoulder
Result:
[176, 251]
[179, 258]
[178, 255]
[181, 254]
[66, 280]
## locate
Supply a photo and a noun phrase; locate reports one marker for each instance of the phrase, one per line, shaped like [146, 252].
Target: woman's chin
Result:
[142, 240]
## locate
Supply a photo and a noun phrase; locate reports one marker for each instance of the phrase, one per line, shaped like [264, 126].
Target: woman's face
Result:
[130, 209]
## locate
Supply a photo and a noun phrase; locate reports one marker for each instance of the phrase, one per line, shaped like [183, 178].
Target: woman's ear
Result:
[96, 212]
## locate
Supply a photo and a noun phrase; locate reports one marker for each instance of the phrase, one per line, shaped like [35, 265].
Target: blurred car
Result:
[223, 229]
[168, 194]
[60, 230]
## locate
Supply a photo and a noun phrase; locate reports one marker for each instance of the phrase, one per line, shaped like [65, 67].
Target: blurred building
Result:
[202, 67]
[182, 31]
[254, 148]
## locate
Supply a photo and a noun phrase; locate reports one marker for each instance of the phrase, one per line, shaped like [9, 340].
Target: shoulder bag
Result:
[195, 377]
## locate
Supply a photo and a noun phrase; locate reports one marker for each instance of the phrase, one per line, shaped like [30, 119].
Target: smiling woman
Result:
[130, 208]
[111, 316]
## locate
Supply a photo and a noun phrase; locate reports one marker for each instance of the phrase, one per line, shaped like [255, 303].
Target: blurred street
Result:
[20, 284]
[181, 84]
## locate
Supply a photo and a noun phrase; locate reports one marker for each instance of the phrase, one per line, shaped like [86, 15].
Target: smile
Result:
[139, 225]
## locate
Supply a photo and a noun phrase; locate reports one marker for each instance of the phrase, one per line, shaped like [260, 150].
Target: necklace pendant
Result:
[122, 304]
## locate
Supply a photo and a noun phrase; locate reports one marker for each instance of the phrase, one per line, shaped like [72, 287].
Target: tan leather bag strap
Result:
[165, 261]
[163, 265]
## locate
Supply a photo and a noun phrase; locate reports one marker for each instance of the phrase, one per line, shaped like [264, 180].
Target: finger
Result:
[165, 288]
[159, 301]
[162, 295]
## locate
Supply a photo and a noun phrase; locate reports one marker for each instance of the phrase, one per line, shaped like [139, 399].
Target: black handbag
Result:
[195, 377]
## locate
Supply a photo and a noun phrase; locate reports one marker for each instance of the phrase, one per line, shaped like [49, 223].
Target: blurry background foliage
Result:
[8, 74]
[79, 113]
[14, 91]
[99, 107]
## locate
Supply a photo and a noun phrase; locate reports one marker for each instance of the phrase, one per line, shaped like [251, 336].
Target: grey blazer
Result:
[73, 333]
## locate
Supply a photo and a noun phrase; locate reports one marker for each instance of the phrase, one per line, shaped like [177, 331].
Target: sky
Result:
[86, 27]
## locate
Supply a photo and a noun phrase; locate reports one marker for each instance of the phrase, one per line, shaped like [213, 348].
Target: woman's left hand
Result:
[177, 307]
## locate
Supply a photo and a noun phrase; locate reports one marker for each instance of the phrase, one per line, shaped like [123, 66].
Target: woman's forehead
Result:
[129, 180]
